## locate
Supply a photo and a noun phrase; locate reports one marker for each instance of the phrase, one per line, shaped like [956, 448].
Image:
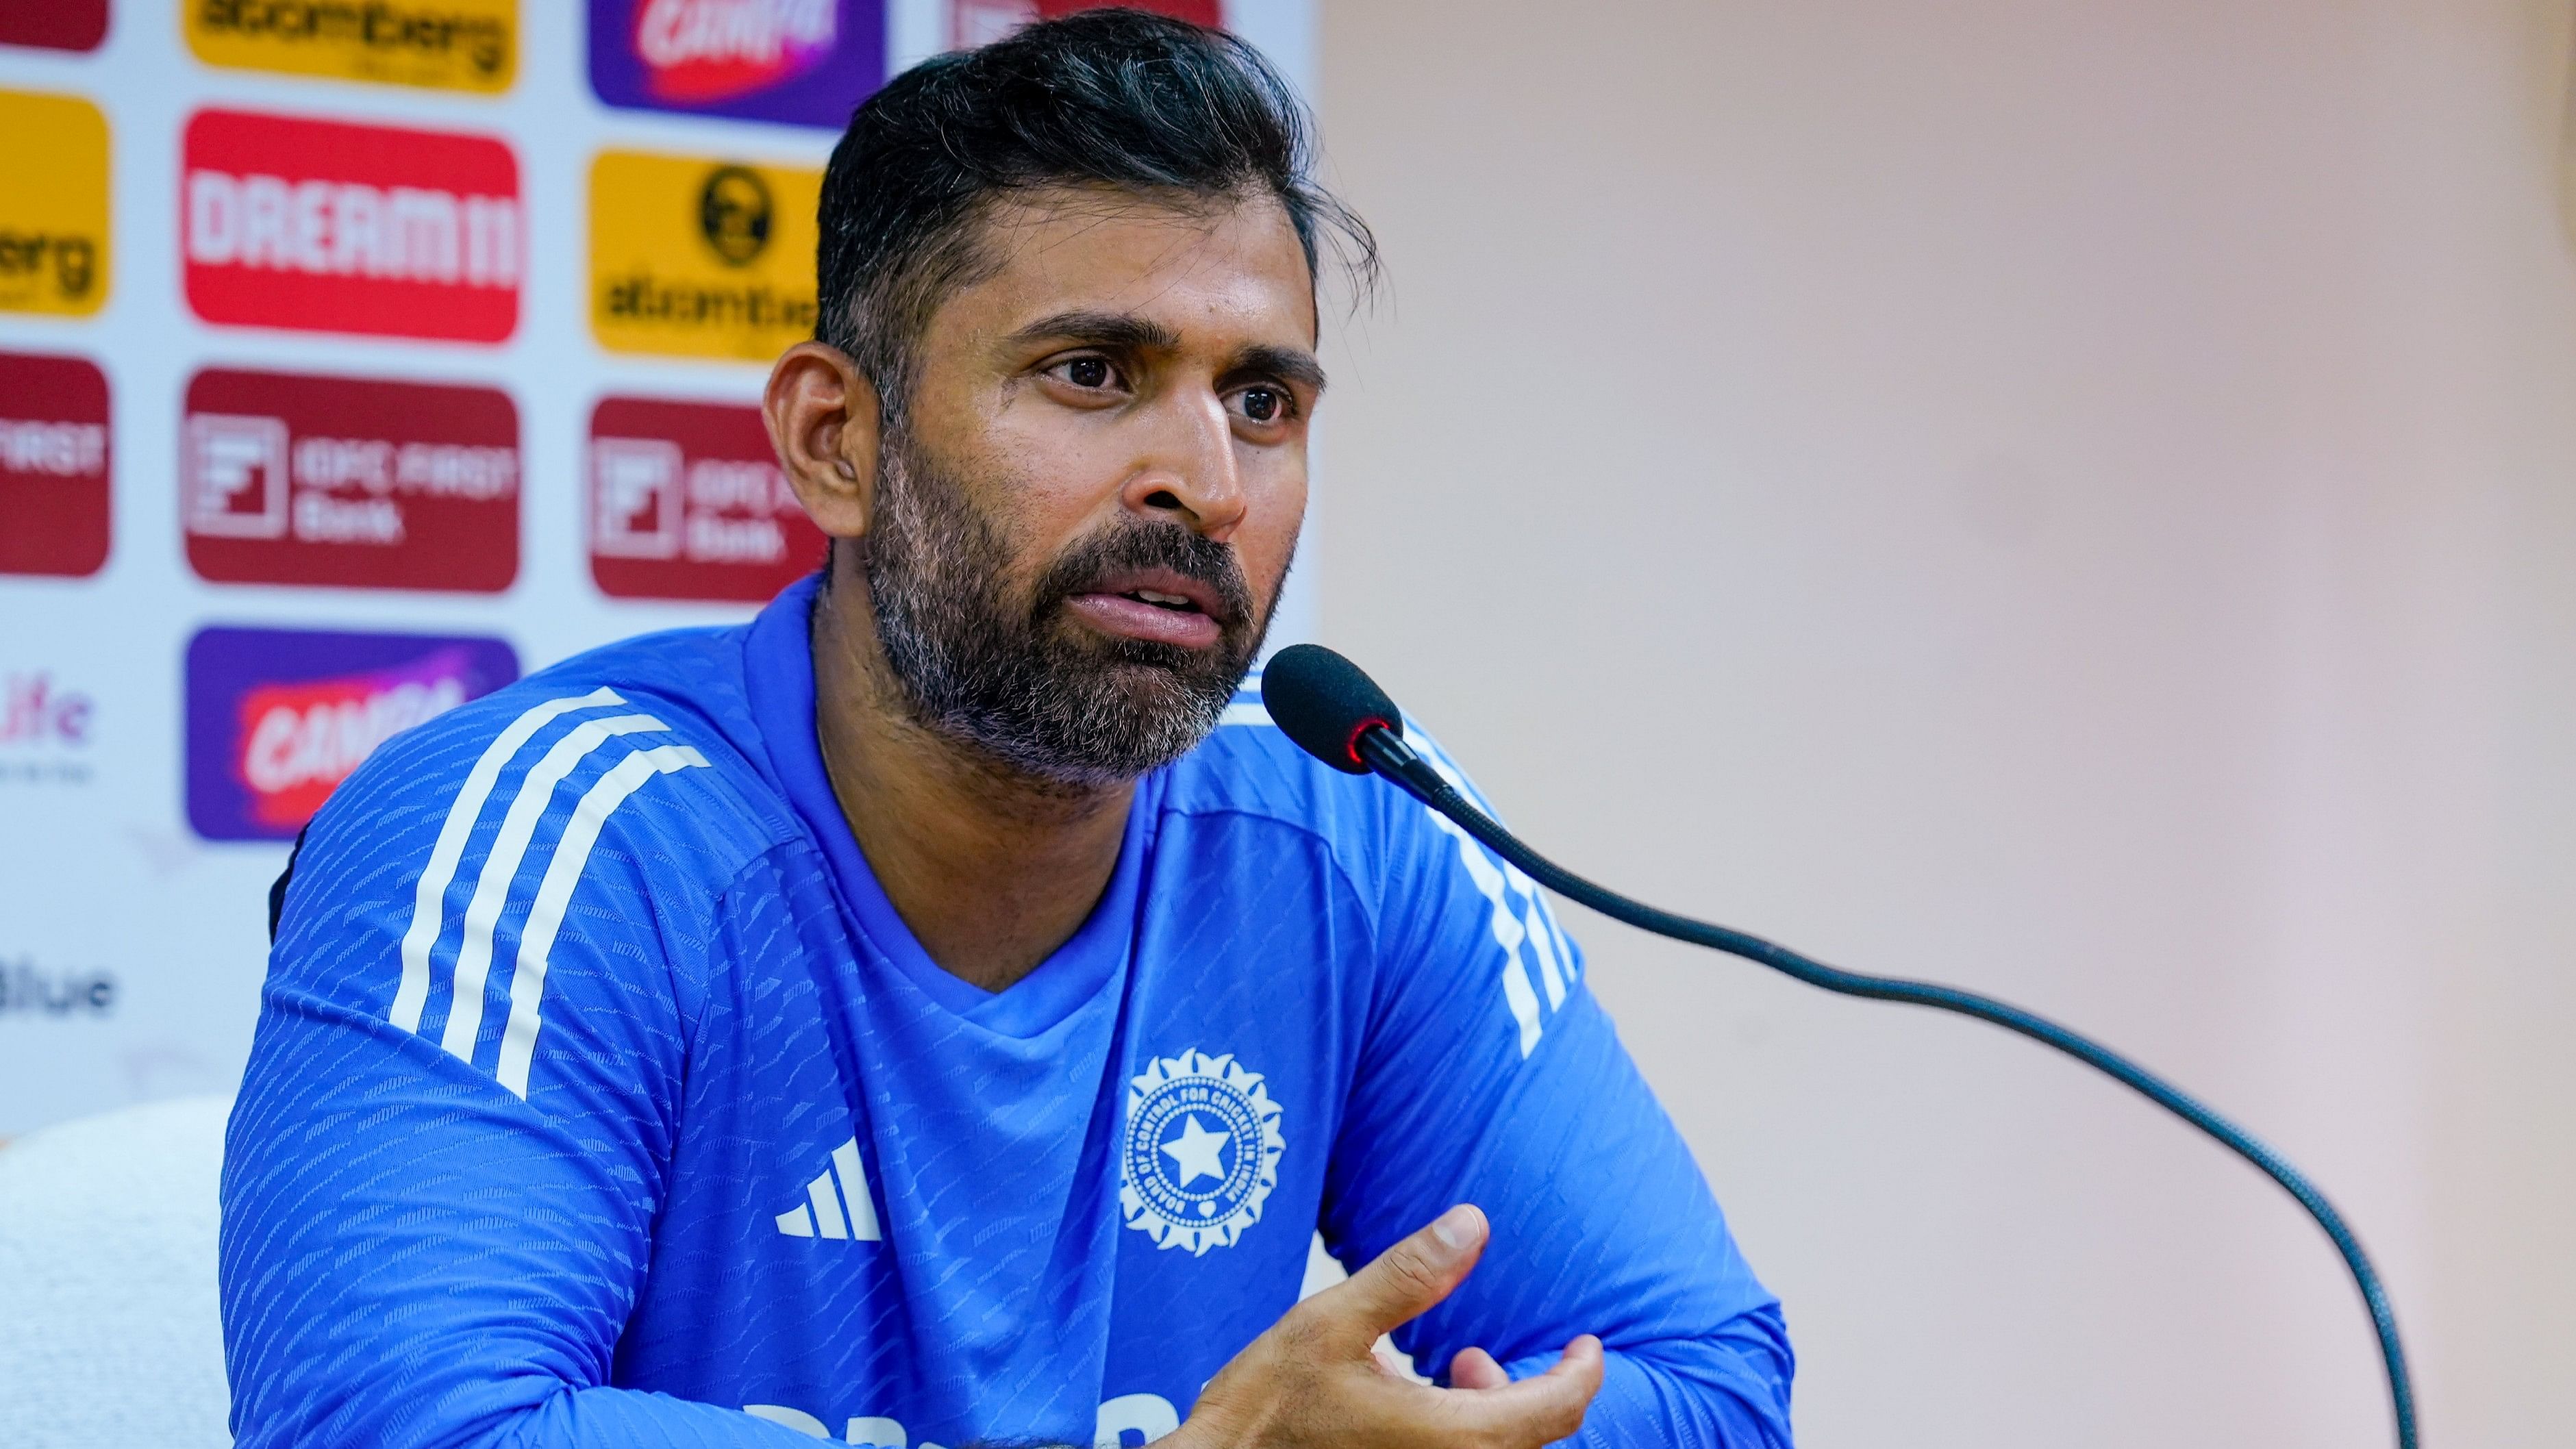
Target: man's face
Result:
[1086, 511]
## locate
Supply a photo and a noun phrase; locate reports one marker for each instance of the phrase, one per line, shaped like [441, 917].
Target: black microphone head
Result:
[1325, 703]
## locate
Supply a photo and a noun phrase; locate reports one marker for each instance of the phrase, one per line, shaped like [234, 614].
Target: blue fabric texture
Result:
[600, 1097]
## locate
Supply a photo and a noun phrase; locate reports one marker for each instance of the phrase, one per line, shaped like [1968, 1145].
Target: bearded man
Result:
[943, 1010]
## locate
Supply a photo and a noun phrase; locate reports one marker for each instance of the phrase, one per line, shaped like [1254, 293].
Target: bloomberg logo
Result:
[277, 718]
[324, 226]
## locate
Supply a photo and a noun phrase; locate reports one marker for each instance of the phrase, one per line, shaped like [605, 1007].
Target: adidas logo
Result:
[836, 1203]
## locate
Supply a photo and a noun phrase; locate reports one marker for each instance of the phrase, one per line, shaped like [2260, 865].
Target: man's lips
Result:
[1162, 606]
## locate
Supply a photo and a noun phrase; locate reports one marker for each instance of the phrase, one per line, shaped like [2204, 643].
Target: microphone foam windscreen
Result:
[1323, 702]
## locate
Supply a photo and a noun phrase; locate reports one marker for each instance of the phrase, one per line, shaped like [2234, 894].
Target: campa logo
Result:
[804, 62]
[53, 205]
[330, 227]
[707, 50]
[469, 45]
[277, 718]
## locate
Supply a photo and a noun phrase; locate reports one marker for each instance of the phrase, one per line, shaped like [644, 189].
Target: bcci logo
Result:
[1202, 1151]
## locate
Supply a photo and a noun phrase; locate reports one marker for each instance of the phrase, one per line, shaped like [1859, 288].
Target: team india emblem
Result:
[1202, 1151]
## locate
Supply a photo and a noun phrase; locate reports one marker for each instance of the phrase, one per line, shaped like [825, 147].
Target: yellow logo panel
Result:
[53, 205]
[691, 257]
[455, 45]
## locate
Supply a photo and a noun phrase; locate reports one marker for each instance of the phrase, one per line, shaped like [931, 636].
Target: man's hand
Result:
[1313, 1379]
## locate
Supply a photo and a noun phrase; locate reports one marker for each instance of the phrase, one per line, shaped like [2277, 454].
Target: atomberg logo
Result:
[330, 227]
[805, 62]
[53, 465]
[277, 717]
[351, 482]
[469, 45]
[699, 258]
[687, 502]
[53, 205]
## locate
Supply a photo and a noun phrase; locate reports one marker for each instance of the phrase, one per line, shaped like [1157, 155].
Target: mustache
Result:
[1136, 545]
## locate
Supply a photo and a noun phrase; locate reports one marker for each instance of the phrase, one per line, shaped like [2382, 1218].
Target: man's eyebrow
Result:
[1123, 330]
[1288, 364]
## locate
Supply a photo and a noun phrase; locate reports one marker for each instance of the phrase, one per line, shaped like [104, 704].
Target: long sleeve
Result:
[442, 1172]
[1491, 1076]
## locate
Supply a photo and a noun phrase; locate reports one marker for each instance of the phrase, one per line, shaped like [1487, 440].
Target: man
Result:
[933, 1014]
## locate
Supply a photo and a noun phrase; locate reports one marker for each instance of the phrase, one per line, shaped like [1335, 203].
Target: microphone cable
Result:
[1332, 708]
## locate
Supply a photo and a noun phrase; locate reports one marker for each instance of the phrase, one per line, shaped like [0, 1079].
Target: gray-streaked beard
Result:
[1024, 684]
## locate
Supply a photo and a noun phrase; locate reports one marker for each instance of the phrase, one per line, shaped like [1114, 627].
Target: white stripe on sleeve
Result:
[554, 896]
[509, 848]
[428, 906]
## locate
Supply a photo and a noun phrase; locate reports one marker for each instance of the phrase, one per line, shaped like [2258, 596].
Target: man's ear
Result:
[824, 421]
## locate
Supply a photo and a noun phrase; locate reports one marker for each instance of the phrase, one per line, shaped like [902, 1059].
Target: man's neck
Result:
[992, 870]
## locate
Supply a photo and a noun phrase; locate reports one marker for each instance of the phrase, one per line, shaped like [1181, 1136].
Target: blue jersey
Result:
[600, 1097]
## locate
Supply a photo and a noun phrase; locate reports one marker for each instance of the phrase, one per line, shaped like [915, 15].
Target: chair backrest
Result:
[108, 1327]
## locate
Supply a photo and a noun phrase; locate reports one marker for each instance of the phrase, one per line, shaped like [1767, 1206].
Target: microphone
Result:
[1335, 712]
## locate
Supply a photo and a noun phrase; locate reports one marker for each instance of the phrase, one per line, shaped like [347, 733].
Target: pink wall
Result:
[2071, 499]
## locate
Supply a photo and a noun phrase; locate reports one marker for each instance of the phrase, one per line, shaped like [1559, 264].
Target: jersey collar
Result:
[778, 676]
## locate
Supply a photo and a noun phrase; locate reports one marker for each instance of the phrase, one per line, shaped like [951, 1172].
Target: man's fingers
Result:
[1474, 1368]
[1407, 1278]
[1538, 1410]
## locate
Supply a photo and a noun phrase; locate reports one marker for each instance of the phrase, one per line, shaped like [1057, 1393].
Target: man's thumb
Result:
[1408, 1278]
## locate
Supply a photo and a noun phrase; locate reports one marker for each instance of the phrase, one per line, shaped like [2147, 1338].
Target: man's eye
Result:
[1088, 372]
[1262, 404]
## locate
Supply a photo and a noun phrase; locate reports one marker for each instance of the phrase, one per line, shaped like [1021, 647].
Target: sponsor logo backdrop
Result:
[353, 361]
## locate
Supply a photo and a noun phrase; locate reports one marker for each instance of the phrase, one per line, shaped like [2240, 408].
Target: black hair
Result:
[1118, 99]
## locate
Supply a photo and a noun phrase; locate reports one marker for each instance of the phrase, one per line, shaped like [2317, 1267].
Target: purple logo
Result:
[804, 62]
[278, 717]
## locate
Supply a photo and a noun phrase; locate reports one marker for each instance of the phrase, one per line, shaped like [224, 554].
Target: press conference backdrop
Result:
[356, 359]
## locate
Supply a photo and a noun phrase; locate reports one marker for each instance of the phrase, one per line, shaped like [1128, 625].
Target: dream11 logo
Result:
[277, 718]
[326, 226]
[802, 62]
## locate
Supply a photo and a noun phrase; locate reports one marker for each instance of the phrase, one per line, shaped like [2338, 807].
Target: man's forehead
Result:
[1231, 264]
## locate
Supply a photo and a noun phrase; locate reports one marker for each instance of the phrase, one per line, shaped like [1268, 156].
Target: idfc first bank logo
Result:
[803, 62]
[323, 226]
[277, 718]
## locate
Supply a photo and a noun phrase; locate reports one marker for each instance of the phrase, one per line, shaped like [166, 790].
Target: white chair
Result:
[108, 1328]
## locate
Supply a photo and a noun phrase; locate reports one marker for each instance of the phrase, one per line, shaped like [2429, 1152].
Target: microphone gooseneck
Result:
[1342, 718]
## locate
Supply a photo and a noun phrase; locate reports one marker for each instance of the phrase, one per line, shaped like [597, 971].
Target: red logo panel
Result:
[54, 24]
[53, 465]
[324, 226]
[687, 502]
[349, 482]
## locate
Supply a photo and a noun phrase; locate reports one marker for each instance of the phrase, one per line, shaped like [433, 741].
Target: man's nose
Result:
[1189, 473]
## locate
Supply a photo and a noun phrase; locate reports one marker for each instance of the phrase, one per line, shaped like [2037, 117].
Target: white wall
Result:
[2072, 499]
